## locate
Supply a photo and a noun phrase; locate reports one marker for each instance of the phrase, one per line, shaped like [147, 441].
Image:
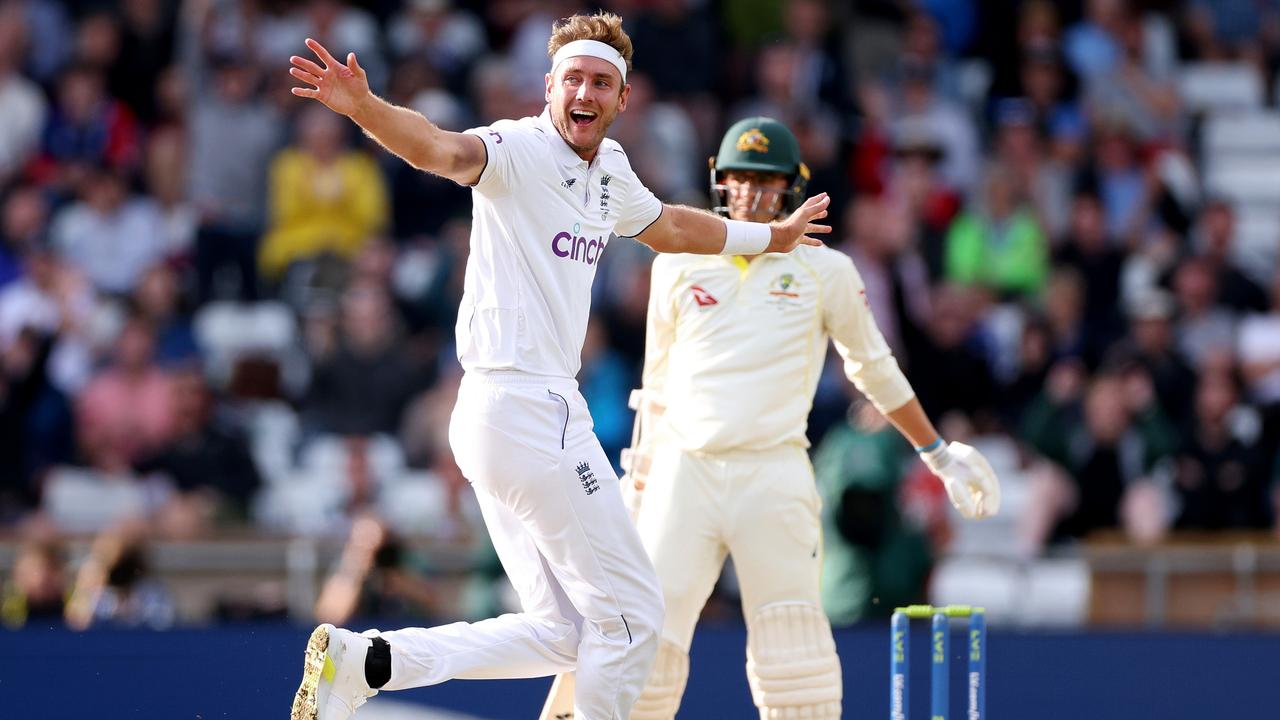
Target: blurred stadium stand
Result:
[202, 395]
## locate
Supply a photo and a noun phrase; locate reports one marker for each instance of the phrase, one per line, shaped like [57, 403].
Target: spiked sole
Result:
[305, 701]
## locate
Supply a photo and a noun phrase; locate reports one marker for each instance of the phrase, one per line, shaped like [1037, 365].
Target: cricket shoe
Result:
[333, 681]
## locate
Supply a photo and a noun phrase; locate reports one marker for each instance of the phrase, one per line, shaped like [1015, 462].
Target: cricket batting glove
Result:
[967, 476]
[636, 459]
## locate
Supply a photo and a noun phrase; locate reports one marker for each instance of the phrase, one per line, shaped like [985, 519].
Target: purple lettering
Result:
[555, 244]
[583, 249]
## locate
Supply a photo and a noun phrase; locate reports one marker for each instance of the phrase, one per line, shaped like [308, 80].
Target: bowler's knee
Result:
[644, 622]
[561, 634]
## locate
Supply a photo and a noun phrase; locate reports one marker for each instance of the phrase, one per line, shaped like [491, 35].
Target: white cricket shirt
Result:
[541, 220]
[734, 349]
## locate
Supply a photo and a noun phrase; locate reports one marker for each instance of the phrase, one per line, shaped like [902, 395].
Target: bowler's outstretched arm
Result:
[344, 88]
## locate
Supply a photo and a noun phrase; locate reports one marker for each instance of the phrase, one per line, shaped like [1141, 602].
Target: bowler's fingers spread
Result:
[305, 76]
[305, 92]
[819, 208]
[810, 206]
[819, 200]
[321, 53]
[304, 64]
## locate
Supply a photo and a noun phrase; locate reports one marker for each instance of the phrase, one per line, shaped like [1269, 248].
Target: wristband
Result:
[937, 455]
[930, 447]
[745, 238]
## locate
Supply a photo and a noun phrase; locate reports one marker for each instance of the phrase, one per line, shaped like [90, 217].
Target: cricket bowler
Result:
[719, 464]
[549, 193]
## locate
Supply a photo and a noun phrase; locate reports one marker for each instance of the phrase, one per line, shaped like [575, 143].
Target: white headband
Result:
[592, 48]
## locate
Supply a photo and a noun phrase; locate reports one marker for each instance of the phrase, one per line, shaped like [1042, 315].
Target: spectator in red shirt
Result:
[127, 409]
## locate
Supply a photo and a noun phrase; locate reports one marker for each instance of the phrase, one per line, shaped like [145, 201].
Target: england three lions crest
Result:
[587, 478]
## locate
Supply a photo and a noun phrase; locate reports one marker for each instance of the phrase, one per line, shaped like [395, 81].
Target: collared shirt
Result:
[734, 348]
[541, 219]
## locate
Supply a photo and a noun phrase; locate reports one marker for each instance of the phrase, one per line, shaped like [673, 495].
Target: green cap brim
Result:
[753, 167]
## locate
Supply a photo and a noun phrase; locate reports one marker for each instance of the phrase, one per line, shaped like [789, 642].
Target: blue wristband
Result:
[931, 446]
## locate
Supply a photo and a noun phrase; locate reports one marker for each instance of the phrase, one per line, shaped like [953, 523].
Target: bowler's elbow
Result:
[457, 156]
[663, 234]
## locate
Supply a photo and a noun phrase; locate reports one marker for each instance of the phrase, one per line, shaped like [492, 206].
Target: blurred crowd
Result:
[222, 309]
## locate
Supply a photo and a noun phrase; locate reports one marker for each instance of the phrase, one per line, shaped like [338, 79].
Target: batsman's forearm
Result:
[914, 424]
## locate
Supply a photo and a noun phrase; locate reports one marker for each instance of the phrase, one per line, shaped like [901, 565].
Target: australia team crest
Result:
[784, 290]
[753, 140]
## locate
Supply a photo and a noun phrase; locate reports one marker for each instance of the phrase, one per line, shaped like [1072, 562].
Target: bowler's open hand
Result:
[795, 230]
[342, 88]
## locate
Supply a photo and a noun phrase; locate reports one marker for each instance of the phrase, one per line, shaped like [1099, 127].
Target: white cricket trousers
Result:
[590, 598]
[760, 506]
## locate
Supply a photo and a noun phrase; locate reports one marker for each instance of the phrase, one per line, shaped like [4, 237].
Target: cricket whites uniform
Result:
[734, 350]
[522, 434]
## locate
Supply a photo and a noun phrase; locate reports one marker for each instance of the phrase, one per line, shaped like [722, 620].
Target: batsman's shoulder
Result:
[831, 263]
[823, 256]
[672, 269]
[674, 262]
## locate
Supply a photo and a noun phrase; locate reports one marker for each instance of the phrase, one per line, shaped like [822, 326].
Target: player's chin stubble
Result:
[565, 128]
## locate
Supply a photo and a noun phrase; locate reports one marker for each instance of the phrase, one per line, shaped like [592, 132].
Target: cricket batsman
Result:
[719, 465]
[548, 194]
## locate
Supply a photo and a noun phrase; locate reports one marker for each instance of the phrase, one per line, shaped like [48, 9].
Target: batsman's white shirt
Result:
[542, 219]
[734, 348]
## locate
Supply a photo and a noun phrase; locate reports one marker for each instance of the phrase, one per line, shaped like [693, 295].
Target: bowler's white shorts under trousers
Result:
[550, 499]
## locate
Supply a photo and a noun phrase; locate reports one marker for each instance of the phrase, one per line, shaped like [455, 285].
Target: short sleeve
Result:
[640, 208]
[510, 153]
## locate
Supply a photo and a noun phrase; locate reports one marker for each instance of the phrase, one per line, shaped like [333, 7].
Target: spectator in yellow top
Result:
[325, 198]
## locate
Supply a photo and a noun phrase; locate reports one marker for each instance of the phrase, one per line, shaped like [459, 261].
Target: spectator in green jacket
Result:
[1109, 442]
[874, 559]
[999, 244]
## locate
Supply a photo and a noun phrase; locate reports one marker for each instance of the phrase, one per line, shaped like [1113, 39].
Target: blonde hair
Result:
[603, 27]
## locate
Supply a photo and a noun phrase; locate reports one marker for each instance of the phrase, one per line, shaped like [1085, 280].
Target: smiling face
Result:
[585, 95]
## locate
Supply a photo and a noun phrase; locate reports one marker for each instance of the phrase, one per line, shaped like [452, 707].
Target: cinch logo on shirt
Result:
[575, 247]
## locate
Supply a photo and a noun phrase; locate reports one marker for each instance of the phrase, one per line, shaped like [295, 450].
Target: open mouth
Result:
[582, 118]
